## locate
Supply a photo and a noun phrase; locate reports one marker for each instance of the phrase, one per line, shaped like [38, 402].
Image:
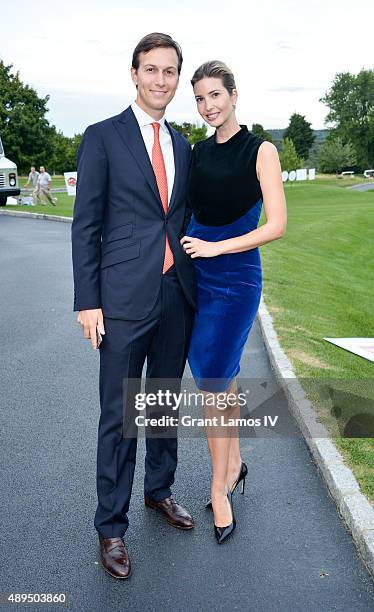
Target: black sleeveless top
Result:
[223, 184]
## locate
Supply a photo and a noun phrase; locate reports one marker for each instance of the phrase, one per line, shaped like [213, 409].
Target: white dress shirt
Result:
[166, 142]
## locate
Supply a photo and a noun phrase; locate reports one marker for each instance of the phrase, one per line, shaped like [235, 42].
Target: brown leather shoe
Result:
[174, 513]
[114, 557]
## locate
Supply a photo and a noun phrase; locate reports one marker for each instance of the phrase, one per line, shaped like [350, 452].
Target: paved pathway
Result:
[362, 187]
[290, 550]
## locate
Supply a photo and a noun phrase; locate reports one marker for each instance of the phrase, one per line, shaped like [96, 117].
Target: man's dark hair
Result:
[152, 41]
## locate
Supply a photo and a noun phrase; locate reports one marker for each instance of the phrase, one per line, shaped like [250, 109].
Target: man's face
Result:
[32, 169]
[157, 79]
[41, 169]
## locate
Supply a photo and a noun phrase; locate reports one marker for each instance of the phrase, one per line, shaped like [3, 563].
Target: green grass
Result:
[57, 181]
[318, 277]
[318, 282]
[63, 208]
[346, 181]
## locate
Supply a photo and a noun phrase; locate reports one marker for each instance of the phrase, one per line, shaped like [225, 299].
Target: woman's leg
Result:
[235, 460]
[219, 444]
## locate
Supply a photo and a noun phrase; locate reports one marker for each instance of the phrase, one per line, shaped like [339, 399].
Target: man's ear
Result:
[134, 76]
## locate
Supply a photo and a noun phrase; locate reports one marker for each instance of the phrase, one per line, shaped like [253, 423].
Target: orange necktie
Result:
[162, 184]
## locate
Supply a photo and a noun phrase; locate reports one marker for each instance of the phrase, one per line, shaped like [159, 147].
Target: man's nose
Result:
[160, 80]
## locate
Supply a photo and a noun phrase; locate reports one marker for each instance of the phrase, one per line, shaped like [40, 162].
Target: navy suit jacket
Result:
[119, 225]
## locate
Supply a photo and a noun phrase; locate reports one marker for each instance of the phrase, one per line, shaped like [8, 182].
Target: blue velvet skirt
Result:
[229, 292]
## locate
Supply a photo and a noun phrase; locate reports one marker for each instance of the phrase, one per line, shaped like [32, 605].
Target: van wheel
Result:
[2, 201]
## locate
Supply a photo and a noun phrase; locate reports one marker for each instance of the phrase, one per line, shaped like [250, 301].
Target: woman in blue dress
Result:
[232, 174]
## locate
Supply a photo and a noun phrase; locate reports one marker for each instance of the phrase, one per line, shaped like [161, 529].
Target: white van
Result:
[8, 178]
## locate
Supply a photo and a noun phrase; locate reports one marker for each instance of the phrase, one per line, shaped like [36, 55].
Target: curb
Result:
[19, 213]
[353, 506]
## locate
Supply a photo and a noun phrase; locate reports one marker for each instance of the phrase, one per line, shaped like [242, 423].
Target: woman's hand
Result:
[200, 248]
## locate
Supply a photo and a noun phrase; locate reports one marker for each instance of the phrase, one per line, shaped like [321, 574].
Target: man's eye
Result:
[149, 69]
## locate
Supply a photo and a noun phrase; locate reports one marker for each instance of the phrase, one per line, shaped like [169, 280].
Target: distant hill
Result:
[277, 136]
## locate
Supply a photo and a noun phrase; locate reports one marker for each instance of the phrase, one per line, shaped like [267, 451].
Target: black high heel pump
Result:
[222, 533]
[241, 478]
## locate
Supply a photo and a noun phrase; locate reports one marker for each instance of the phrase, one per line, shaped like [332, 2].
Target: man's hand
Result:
[90, 319]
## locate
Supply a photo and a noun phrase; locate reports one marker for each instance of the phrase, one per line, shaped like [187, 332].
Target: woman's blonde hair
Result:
[215, 69]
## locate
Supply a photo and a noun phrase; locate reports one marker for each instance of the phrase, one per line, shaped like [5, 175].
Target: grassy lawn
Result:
[318, 282]
[64, 206]
[345, 181]
[57, 181]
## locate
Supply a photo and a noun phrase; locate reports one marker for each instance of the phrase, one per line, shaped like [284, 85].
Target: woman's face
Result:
[214, 102]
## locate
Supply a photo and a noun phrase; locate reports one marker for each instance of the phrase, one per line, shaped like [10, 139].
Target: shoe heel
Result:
[149, 503]
[243, 486]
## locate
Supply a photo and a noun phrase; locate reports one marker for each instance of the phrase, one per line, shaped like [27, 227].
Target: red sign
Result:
[72, 181]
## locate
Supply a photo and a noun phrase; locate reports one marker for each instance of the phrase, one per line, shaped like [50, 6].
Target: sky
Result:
[284, 55]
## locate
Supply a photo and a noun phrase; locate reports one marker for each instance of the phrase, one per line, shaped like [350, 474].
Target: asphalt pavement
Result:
[362, 187]
[290, 550]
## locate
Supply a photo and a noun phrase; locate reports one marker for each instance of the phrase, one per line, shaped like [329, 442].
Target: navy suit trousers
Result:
[162, 338]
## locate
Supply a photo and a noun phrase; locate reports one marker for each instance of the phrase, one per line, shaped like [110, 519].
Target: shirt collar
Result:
[144, 119]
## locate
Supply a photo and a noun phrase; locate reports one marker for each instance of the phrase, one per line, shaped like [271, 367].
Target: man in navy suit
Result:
[133, 283]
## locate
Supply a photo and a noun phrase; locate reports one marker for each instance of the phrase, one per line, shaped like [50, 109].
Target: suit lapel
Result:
[129, 131]
[177, 166]
[131, 136]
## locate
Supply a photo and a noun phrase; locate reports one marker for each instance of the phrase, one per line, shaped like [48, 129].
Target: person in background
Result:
[33, 182]
[43, 190]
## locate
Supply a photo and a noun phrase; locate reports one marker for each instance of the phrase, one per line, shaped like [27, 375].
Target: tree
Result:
[25, 131]
[301, 134]
[258, 130]
[288, 157]
[351, 103]
[312, 160]
[193, 132]
[71, 158]
[334, 155]
[65, 150]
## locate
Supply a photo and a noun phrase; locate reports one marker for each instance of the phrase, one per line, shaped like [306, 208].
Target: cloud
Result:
[293, 89]
[284, 45]
[87, 52]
